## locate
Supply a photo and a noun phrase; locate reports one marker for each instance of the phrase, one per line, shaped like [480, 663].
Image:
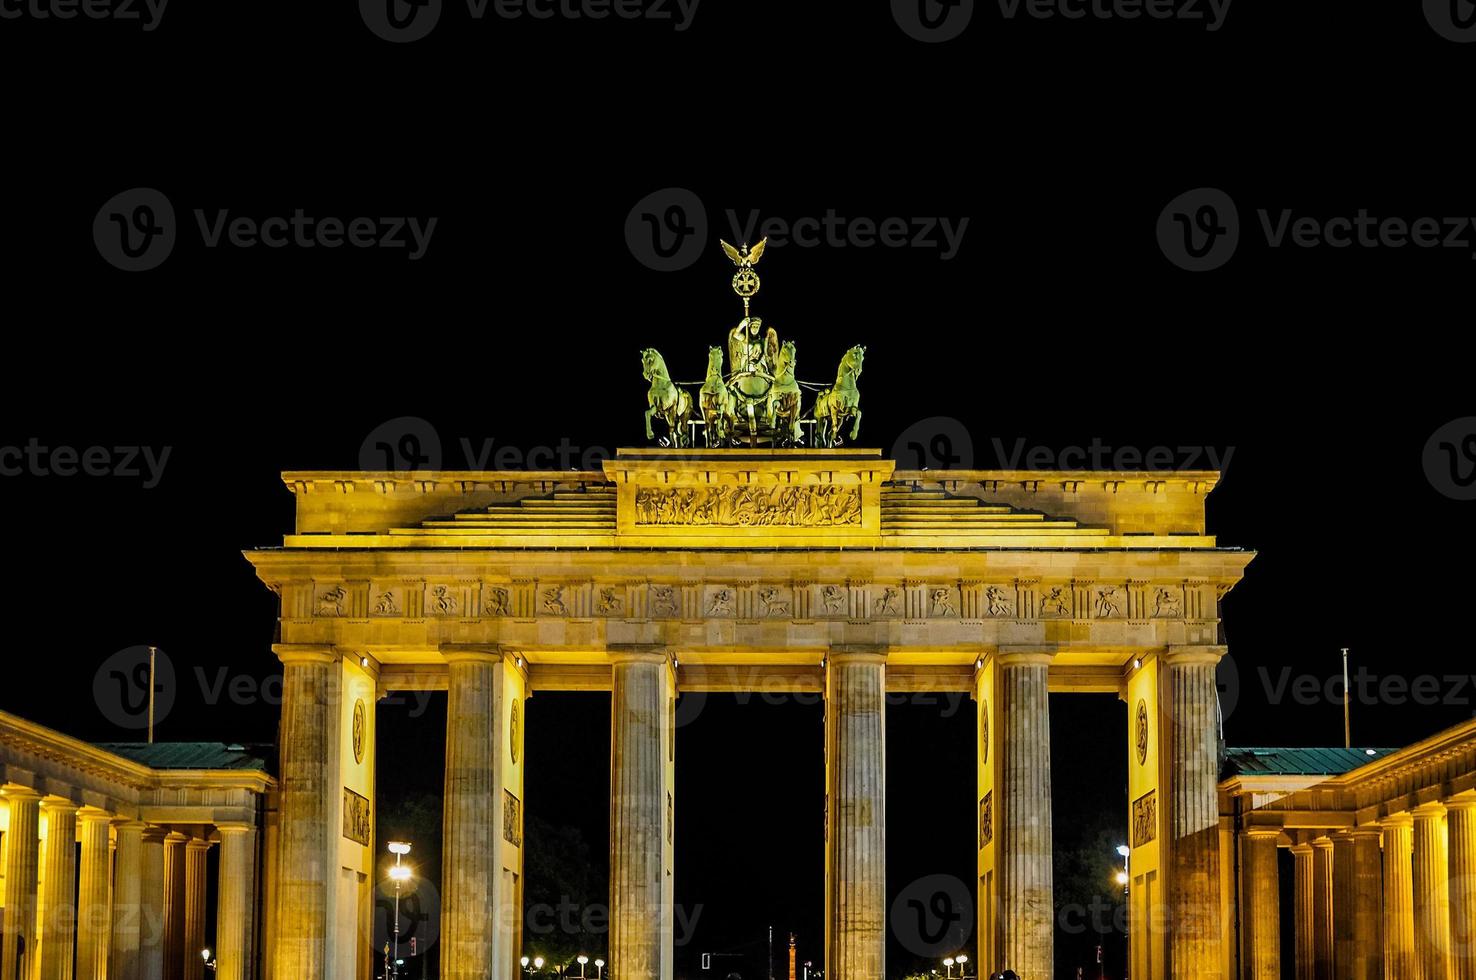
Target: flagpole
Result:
[1347, 699]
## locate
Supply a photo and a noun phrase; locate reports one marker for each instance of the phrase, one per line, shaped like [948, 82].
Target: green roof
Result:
[189, 755]
[1298, 761]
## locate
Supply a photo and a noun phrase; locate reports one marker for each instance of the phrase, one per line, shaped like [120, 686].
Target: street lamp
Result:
[961, 959]
[537, 963]
[581, 959]
[1125, 878]
[948, 964]
[399, 874]
[205, 955]
[599, 970]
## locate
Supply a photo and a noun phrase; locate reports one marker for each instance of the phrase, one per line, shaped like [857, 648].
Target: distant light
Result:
[962, 958]
[400, 872]
[519, 661]
[1137, 663]
[363, 661]
[978, 664]
[537, 962]
[581, 959]
[205, 955]
[1124, 850]
[399, 847]
[600, 964]
[1369, 752]
[1122, 877]
[524, 961]
[948, 961]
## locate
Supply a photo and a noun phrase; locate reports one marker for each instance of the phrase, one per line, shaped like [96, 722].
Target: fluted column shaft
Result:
[1322, 908]
[469, 849]
[1400, 962]
[1305, 918]
[306, 793]
[174, 910]
[640, 910]
[235, 903]
[1460, 823]
[127, 936]
[1026, 907]
[58, 902]
[194, 908]
[22, 862]
[94, 909]
[855, 732]
[151, 904]
[1432, 891]
[1194, 814]
[1261, 904]
[1365, 895]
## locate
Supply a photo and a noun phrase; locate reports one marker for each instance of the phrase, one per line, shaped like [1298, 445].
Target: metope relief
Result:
[745, 506]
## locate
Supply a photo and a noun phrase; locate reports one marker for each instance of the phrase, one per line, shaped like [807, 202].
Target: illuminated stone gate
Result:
[817, 571]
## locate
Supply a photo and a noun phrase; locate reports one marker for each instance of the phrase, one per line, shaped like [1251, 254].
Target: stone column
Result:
[1366, 896]
[1322, 908]
[94, 911]
[58, 918]
[151, 904]
[1195, 948]
[1432, 891]
[1342, 903]
[1260, 904]
[471, 816]
[1399, 923]
[22, 861]
[856, 804]
[306, 798]
[235, 901]
[174, 908]
[640, 797]
[1461, 828]
[1023, 799]
[194, 908]
[127, 903]
[1305, 916]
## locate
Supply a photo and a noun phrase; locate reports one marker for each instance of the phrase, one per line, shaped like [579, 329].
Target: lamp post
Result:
[599, 970]
[399, 874]
[205, 955]
[1125, 878]
[581, 959]
[948, 965]
[961, 960]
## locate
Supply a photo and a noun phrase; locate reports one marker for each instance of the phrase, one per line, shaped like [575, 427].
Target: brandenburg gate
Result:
[675, 570]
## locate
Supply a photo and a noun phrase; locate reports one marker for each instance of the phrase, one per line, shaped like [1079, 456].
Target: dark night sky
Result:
[1058, 322]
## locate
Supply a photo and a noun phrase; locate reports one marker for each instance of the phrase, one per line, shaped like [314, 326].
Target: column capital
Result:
[1026, 655]
[1463, 802]
[476, 653]
[91, 813]
[121, 824]
[1322, 843]
[55, 804]
[14, 791]
[235, 827]
[153, 834]
[1175, 654]
[197, 844]
[1364, 831]
[305, 653]
[638, 653]
[1401, 819]
[1432, 810]
[175, 837]
[853, 653]
[1261, 832]
[1301, 849]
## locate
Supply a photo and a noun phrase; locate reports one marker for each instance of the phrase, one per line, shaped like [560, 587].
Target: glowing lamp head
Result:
[1122, 878]
[600, 964]
[400, 872]
[537, 962]
[581, 959]
[524, 961]
[205, 955]
[948, 961]
[1123, 850]
[961, 959]
[399, 847]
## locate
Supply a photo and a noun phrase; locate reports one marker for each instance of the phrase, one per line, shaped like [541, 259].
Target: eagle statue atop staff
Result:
[745, 280]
